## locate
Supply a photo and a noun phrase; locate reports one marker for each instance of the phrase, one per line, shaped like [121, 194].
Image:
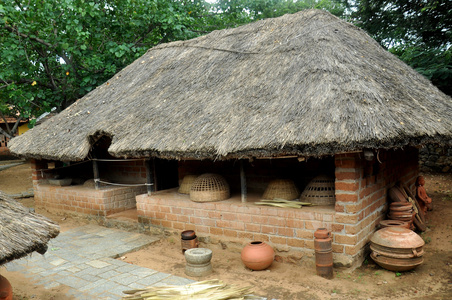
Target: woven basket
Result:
[281, 189]
[209, 187]
[186, 184]
[319, 191]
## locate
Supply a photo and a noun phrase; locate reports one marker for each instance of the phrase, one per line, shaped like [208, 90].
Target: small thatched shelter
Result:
[308, 87]
[21, 231]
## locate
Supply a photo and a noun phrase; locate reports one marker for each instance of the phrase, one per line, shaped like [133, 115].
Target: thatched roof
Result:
[22, 232]
[306, 84]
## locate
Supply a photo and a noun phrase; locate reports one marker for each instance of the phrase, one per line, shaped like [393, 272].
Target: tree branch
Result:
[6, 122]
[5, 133]
[38, 40]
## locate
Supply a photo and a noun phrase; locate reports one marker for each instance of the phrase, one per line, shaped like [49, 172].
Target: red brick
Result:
[230, 233]
[283, 231]
[295, 242]
[304, 234]
[202, 229]
[345, 239]
[245, 235]
[347, 218]
[253, 227]
[269, 229]
[295, 223]
[228, 216]
[278, 240]
[274, 221]
[346, 197]
[346, 186]
[338, 248]
[337, 227]
[216, 231]
[261, 237]
[313, 225]
[347, 175]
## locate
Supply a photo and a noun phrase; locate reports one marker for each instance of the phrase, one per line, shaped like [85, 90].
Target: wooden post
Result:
[149, 177]
[96, 174]
[242, 181]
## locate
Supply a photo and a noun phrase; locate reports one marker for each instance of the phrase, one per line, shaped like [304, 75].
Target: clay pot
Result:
[257, 255]
[397, 223]
[188, 235]
[6, 290]
[397, 248]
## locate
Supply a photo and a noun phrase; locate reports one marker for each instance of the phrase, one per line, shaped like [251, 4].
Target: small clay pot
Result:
[322, 233]
[6, 290]
[257, 255]
[188, 235]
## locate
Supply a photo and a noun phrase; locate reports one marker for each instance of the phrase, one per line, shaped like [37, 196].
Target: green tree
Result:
[54, 52]
[418, 31]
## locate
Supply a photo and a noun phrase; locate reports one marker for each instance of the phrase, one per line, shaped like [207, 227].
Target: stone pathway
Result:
[84, 260]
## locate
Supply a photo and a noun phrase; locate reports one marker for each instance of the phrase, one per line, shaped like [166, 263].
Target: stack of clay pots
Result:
[397, 249]
[402, 211]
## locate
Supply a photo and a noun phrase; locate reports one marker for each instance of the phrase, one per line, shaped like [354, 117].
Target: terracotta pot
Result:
[188, 235]
[258, 255]
[6, 290]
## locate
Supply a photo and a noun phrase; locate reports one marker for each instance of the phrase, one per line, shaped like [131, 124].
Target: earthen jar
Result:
[257, 255]
[6, 290]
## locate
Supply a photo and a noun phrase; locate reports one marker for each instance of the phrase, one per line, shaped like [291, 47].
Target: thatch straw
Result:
[307, 84]
[22, 232]
[209, 289]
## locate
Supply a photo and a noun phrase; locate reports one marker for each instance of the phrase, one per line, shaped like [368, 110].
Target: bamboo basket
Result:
[281, 189]
[209, 187]
[320, 191]
[186, 183]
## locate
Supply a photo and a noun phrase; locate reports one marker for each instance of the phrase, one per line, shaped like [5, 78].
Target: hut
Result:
[294, 97]
[22, 232]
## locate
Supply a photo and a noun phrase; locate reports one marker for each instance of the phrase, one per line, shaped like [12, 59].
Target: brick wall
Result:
[233, 219]
[78, 198]
[361, 196]
[85, 200]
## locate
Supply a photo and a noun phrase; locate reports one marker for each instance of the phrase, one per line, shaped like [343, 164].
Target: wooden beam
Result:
[243, 181]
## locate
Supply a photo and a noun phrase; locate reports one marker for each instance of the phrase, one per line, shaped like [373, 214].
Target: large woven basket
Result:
[319, 191]
[281, 189]
[209, 187]
[186, 183]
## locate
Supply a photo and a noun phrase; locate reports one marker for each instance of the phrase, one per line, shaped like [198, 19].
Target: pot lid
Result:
[397, 237]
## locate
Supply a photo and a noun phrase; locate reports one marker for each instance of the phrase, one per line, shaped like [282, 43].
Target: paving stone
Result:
[150, 280]
[109, 274]
[98, 264]
[127, 268]
[72, 281]
[125, 279]
[58, 262]
[93, 285]
[143, 272]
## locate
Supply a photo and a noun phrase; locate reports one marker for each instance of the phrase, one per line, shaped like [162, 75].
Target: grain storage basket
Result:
[185, 186]
[319, 191]
[281, 189]
[209, 187]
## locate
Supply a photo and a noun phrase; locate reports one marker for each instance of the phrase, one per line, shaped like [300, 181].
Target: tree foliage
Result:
[418, 31]
[54, 52]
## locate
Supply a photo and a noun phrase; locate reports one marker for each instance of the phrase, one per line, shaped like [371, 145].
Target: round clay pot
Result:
[6, 290]
[257, 255]
[322, 233]
[188, 235]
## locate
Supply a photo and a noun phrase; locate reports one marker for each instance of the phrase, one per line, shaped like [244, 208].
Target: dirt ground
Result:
[431, 280]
